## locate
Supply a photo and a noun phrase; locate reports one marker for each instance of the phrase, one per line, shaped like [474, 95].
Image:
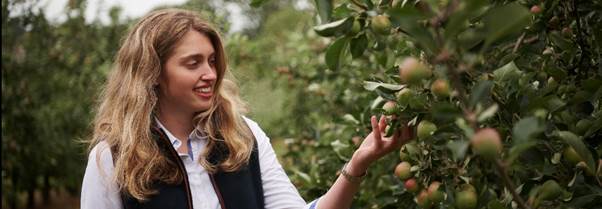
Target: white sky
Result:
[99, 9]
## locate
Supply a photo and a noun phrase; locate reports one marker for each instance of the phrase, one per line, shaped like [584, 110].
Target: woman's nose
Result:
[209, 72]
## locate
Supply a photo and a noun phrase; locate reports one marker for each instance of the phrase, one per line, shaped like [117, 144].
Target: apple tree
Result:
[504, 96]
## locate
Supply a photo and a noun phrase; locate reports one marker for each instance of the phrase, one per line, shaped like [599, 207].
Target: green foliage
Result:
[48, 89]
[535, 77]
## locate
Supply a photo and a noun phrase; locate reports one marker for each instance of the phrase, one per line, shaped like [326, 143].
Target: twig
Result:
[598, 172]
[501, 168]
[518, 42]
[360, 5]
[526, 41]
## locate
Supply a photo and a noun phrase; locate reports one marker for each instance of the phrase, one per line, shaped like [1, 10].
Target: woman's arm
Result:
[375, 146]
[98, 189]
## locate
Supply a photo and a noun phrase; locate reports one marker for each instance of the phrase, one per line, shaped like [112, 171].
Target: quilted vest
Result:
[240, 189]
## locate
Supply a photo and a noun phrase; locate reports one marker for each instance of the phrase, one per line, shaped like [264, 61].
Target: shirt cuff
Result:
[312, 204]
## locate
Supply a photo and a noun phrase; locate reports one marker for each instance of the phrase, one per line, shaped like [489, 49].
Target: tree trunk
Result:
[46, 189]
[30, 197]
[12, 198]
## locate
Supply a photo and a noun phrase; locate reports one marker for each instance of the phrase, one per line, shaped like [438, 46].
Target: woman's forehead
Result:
[194, 43]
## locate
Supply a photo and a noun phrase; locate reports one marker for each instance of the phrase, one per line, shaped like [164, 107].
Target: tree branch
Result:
[360, 5]
[502, 171]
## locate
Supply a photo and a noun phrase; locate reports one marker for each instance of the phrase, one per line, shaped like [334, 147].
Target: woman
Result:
[169, 131]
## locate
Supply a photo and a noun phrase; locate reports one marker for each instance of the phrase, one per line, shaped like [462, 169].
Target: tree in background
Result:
[53, 71]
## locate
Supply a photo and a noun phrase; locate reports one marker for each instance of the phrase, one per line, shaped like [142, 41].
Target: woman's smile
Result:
[204, 91]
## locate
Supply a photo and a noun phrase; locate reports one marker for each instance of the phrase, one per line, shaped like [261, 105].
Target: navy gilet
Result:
[241, 189]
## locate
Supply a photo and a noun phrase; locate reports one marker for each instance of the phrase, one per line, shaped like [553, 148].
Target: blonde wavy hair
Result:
[128, 102]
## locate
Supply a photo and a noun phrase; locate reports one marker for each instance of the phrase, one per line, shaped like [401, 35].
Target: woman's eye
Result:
[212, 61]
[192, 63]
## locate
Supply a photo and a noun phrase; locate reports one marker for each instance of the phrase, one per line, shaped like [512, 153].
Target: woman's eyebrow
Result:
[192, 56]
[196, 55]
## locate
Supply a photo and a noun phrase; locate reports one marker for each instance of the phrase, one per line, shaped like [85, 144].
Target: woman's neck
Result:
[178, 123]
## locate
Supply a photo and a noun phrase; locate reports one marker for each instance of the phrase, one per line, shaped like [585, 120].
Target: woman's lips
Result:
[203, 94]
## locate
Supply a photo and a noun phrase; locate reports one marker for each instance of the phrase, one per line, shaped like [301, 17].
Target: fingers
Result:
[382, 124]
[375, 127]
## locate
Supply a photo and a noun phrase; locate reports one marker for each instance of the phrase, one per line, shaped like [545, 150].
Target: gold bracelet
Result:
[350, 178]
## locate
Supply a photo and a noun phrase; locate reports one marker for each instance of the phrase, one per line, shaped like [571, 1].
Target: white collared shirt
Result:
[99, 191]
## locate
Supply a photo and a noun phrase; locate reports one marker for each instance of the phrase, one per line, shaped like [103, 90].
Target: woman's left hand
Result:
[376, 145]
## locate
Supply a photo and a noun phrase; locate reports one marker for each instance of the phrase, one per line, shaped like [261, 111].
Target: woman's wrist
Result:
[355, 167]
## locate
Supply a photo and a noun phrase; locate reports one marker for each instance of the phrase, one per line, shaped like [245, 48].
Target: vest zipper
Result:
[181, 166]
[219, 194]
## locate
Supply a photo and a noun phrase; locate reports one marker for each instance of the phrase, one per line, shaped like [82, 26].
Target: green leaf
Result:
[524, 129]
[495, 204]
[301, 174]
[488, 113]
[412, 148]
[324, 9]
[461, 123]
[505, 20]
[445, 111]
[560, 41]
[408, 18]
[507, 72]
[577, 143]
[339, 147]
[257, 3]
[592, 84]
[371, 86]
[458, 148]
[392, 127]
[387, 94]
[337, 27]
[517, 149]
[377, 103]
[480, 92]
[558, 73]
[349, 118]
[335, 53]
[596, 125]
[554, 103]
[458, 21]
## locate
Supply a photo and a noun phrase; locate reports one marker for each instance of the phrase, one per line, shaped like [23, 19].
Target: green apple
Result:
[425, 129]
[571, 155]
[434, 194]
[412, 71]
[440, 88]
[423, 199]
[404, 96]
[549, 190]
[466, 198]
[381, 24]
[356, 28]
[402, 170]
[487, 143]
[389, 107]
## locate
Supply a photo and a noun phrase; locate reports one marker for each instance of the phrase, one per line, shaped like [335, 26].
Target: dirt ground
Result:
[58, 200]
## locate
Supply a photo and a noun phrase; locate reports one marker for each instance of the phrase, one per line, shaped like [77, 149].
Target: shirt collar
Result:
[173, 139]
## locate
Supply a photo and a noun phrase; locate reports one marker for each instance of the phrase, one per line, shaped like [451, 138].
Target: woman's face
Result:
[188, 78]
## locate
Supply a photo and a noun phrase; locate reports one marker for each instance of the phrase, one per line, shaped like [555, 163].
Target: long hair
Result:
[128, 102]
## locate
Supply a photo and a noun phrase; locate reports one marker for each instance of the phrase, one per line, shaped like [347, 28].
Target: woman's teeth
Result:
[204, 90]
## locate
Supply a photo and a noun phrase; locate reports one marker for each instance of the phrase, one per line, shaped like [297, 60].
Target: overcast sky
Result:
[98, 9]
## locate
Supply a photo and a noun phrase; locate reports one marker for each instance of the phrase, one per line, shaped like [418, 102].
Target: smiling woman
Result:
[190, 66]
[170, 130]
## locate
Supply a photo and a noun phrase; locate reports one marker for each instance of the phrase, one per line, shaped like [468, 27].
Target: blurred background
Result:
[56, 54]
